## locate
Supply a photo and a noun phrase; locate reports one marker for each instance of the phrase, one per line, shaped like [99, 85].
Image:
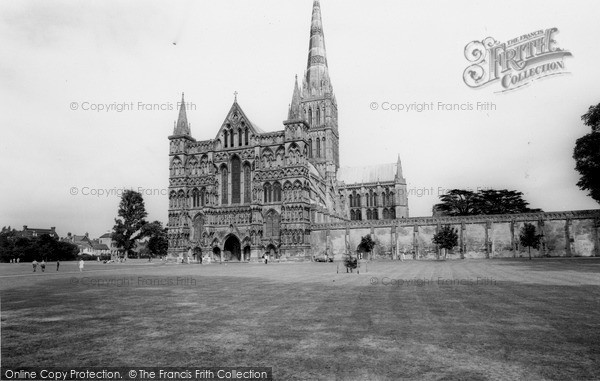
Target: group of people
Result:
[42, 265]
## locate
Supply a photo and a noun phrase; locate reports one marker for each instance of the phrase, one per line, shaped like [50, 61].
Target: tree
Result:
[7, 244]
[529, 238]
[47, 246]
[504, 201]
[446, 238]
[158, 244]
[457, 202]
[65, 251]
[587, 154]
[130, 223]
[366, 244]
[351, 262]
[43, 247]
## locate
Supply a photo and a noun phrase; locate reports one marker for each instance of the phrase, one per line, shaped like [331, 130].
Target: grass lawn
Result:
[527, 320]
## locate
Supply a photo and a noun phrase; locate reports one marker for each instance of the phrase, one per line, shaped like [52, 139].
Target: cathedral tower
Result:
[316, 104]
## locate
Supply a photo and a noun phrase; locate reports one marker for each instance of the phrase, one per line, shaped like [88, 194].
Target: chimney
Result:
[86, 234]
[53, 228]
[24, 227]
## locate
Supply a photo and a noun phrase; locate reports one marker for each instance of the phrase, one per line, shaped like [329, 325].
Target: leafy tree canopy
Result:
[26, 249]
[446, 237]
[366, 244]
[130, 221]
[529, 238]
[460, 202]
[587, 154]
[158, 244]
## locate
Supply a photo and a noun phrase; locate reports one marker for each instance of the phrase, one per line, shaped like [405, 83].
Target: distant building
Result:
[28, 232]
[88, 246]
[106, 239]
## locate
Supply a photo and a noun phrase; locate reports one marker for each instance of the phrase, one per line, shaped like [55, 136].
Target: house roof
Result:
[106, 235]
[39, 232]
[100, 246]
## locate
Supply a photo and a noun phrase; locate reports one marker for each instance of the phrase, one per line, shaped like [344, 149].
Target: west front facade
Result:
[247, 192]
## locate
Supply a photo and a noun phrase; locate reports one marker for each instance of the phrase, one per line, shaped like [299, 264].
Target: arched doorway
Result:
[272, 252]
[197, 253]
[216, 253]
[246, 253]
[233, 248]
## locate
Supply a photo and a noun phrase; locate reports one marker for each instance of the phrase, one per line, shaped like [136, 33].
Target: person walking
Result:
[34, 263]
[43, 265]
[81, 264]
[57, 264]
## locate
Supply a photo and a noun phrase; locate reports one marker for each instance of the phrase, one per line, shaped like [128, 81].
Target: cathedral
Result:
[248, 193]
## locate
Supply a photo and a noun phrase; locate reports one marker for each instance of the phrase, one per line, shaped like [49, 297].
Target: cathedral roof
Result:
[313, 170]
[369, 174]
[236, 115]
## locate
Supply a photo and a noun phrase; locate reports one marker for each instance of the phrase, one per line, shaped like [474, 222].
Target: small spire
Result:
[399, 174]
[182, 127]
[235, 93]
[294, 110]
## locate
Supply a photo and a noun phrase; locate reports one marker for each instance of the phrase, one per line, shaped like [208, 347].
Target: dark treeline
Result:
[44, 247]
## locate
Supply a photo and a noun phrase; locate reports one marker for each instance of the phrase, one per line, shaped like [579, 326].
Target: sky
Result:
[89, 93]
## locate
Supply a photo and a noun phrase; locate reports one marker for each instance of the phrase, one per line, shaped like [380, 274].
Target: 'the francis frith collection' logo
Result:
[515, 63]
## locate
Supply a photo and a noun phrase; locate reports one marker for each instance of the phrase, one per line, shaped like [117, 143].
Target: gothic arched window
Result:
[272, 224]
[236, 174]
[310, 148]
[195, 198]
[231, 138]
[277, 192]
[246, 136]
[225, 136]
[318, 147]
[247, 182]
[267, 192]
[224, 185]
[240, 136]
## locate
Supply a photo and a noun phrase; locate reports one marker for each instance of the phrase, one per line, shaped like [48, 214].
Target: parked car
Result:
[323, 258]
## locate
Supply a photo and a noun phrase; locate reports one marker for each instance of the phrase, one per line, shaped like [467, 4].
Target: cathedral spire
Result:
[294, 112]
[316, 79]
[182, 127]
[399, 174]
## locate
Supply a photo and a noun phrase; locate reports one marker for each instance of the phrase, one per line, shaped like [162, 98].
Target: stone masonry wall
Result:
[570, 233]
